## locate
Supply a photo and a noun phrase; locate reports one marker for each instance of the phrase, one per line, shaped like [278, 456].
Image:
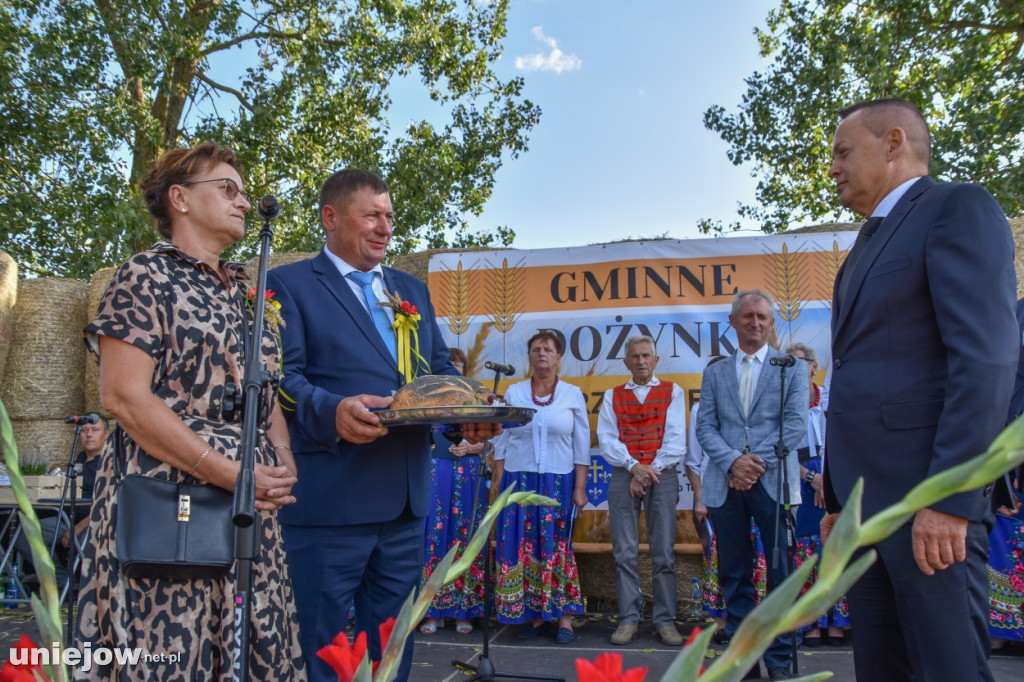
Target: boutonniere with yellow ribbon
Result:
[406, 325]
[271, 308]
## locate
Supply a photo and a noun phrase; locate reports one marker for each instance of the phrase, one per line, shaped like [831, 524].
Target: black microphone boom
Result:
[268, 207]
[783, 361]
[507, 370]
[83, 419]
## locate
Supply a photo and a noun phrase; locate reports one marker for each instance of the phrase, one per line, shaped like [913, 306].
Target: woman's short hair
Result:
[457, 355]
[809, 354]
[550, 335]
[175, 167]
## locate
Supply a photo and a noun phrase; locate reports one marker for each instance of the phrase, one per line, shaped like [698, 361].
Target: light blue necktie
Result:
[380, 317]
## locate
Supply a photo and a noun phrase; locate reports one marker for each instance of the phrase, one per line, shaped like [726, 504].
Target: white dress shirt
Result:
[673, 444]
[755, 367]
[378, 282]
[554, 441]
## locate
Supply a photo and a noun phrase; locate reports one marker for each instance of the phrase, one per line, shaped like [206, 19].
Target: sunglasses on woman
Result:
[230, 188]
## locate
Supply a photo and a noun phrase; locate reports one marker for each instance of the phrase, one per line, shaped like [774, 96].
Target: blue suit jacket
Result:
[924, 348]
[331, 351]
[723, 429]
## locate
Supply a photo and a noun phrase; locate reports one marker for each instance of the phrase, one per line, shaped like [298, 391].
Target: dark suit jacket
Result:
[924, 348]
[331, 351]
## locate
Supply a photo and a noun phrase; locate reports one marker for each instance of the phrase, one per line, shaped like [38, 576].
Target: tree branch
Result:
[223, 88]
[280, 35]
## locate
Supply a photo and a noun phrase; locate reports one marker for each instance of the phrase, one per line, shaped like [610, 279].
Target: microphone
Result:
[84, 419]
[268, 207]
[507, 370]
[784, 361]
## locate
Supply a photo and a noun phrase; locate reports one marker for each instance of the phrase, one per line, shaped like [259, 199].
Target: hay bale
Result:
[97, 288]
[252, 266]
[1017, 228]
[418, 264]
[45, 368]
[8, 296]
[50, 438]
[597, 578]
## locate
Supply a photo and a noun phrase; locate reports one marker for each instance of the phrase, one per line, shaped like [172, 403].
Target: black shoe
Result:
[838, 640]
[779, 674]
[813, 642]
[530, 631]
[754, 673]
[721, 637]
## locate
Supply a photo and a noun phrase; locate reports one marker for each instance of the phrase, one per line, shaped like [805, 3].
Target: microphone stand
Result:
[782, 500]
[70, 478]
[485, 668]
[244, 509]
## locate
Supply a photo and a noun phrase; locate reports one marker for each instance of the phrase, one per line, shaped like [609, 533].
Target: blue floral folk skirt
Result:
[536, 574]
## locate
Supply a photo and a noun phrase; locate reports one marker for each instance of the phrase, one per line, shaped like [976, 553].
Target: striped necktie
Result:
[746, 383]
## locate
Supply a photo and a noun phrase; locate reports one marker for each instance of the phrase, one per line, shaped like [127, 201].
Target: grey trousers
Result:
[659, 505]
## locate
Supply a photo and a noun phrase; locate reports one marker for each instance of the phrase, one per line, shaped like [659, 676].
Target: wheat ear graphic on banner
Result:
[507, 297]
[832, 260]
[458, 300]
[784, 275]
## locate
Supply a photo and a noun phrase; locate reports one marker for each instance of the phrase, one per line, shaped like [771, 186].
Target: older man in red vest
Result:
[642, 433]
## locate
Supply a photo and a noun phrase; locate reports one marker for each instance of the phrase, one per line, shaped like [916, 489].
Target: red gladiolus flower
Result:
[344, 658]
[22, 672]
[405, 306]
[607, 668]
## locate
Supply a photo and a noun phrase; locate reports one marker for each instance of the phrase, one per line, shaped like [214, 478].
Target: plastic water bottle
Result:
[12, 585]
[696, 600]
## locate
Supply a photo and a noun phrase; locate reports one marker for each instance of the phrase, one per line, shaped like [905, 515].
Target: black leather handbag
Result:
[171, 531]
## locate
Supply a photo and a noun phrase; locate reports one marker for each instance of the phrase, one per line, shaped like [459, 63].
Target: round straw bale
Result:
[1017, 228]
[97, 288]
[45, 367]
[8, 295]
[50, 438]
[252, 266]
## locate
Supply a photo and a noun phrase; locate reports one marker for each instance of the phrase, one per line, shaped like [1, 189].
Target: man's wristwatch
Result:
[809, 477]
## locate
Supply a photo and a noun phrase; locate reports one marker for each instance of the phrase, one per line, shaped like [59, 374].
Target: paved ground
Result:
[542, 656]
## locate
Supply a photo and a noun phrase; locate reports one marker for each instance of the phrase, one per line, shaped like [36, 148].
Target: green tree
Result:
[959, 60]
[91, 92]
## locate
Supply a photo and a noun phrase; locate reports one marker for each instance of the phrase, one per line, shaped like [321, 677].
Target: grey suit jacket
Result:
[723, 430]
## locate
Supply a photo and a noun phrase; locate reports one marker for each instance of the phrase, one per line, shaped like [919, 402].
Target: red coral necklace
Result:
[533, 392]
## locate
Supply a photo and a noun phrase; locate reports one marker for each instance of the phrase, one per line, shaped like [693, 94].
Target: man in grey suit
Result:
[741, 403]
[924, 348]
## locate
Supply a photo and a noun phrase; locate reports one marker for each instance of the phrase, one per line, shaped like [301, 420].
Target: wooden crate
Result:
[40, 488]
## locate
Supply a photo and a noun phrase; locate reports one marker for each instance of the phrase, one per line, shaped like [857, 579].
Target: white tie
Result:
[746, 383]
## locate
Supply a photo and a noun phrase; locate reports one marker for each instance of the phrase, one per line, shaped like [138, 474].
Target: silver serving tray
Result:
[506, 415]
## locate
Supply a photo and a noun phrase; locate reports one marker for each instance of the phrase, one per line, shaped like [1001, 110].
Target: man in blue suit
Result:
[924, 349]
[741, 403]
[356, 531]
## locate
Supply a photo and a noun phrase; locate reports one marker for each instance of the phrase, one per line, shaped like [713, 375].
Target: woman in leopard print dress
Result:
[170, 333]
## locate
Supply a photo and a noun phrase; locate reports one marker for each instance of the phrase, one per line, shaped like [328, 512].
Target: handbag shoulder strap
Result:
[119, 458]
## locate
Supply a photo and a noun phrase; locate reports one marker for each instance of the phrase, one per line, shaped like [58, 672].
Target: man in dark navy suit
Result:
[924, 349]
[356, 531]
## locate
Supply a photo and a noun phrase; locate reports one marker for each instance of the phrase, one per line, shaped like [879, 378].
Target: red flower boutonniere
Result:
[271, 308]
[406, 326]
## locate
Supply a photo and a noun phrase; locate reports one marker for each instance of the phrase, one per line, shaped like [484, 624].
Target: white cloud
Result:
[555, 60]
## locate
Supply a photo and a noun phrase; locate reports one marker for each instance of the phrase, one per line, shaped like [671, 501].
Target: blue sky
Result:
[621, 150]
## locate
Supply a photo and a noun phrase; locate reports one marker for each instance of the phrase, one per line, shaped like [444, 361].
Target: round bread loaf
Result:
[441, 390]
